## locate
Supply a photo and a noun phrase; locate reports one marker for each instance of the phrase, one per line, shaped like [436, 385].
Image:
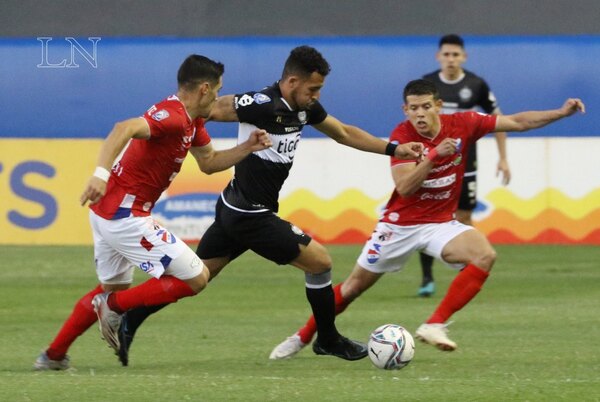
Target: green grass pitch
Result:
[532, 334]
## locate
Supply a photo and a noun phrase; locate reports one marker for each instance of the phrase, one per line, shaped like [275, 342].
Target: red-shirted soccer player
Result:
[419, 214]
[125, 235]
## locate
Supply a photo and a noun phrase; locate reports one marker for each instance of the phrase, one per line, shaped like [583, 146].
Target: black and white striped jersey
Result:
[464, 94]
[258, 178]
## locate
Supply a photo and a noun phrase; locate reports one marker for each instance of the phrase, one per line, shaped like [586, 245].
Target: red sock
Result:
[310, 328]
[82, 317]
[462, 290]
[166, 289]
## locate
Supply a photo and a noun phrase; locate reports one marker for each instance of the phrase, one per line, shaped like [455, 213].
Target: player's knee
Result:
[322, 262]
[486, 259]
[199, 282]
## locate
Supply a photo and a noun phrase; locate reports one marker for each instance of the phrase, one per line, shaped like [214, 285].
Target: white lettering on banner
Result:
[190, 205]
[439, 182]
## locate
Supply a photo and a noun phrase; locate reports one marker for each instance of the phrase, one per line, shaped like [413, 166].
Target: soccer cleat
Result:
[108, 321]
[125, 339]
[43, 362]
[435, 334]
[426, 290]
[287, 348]
[343, 348]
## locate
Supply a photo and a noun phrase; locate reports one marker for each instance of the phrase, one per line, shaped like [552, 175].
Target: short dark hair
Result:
[196, 69]
[305, 60]
[452, 39]
[421, 87]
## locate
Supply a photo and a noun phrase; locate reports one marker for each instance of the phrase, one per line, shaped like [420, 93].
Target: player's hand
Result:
[259, 140]
[572, 105]
[95, 189]
[504, 170]
[447, 147]
[409, 150]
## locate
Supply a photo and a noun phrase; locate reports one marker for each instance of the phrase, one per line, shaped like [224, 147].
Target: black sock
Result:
[138, 315]
[322, 302]
[426, 268]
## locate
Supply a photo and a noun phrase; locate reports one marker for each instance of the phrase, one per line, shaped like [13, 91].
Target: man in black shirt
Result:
[461, 91]
[246, 213]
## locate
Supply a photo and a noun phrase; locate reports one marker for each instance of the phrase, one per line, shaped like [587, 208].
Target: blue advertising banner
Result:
[63, 87]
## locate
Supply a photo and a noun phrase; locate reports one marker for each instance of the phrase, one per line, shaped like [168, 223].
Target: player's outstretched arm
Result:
[223, 110]
[116, 140]
[358, 138]
[535, 119]
[211, 161]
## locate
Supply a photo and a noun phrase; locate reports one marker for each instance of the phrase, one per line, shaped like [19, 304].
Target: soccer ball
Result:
[391, 347]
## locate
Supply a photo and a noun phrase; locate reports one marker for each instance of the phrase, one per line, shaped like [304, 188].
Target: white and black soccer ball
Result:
[391, 347]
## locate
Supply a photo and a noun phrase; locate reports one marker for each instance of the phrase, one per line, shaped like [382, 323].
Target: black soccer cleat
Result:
[343, 348]
[125, 339]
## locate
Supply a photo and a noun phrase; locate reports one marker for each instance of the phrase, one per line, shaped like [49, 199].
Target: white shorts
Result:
[390, 245]
[121, 245]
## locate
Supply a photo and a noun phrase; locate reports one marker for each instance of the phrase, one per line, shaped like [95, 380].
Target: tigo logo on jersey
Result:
[261, 98]
[373, 254]
[160, 115]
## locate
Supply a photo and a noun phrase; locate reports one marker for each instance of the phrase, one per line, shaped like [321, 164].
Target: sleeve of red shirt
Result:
[163, 120]
[201, 138]
[480, 123]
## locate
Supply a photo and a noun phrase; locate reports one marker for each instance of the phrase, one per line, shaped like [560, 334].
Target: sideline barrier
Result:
[56, 115]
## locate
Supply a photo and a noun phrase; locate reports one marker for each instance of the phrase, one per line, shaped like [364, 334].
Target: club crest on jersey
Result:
[373, 254]
[166, 236]
[465, 94]
[261, 98]
[302, 116]
[160, 115]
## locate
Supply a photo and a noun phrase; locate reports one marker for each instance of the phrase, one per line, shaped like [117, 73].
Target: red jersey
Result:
[147, 167]
[437, 199]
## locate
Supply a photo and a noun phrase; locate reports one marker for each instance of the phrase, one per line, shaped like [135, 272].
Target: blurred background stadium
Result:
[70, 70]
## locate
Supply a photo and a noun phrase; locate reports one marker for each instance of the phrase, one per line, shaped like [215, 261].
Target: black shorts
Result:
[468, 192]
[265, 233]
